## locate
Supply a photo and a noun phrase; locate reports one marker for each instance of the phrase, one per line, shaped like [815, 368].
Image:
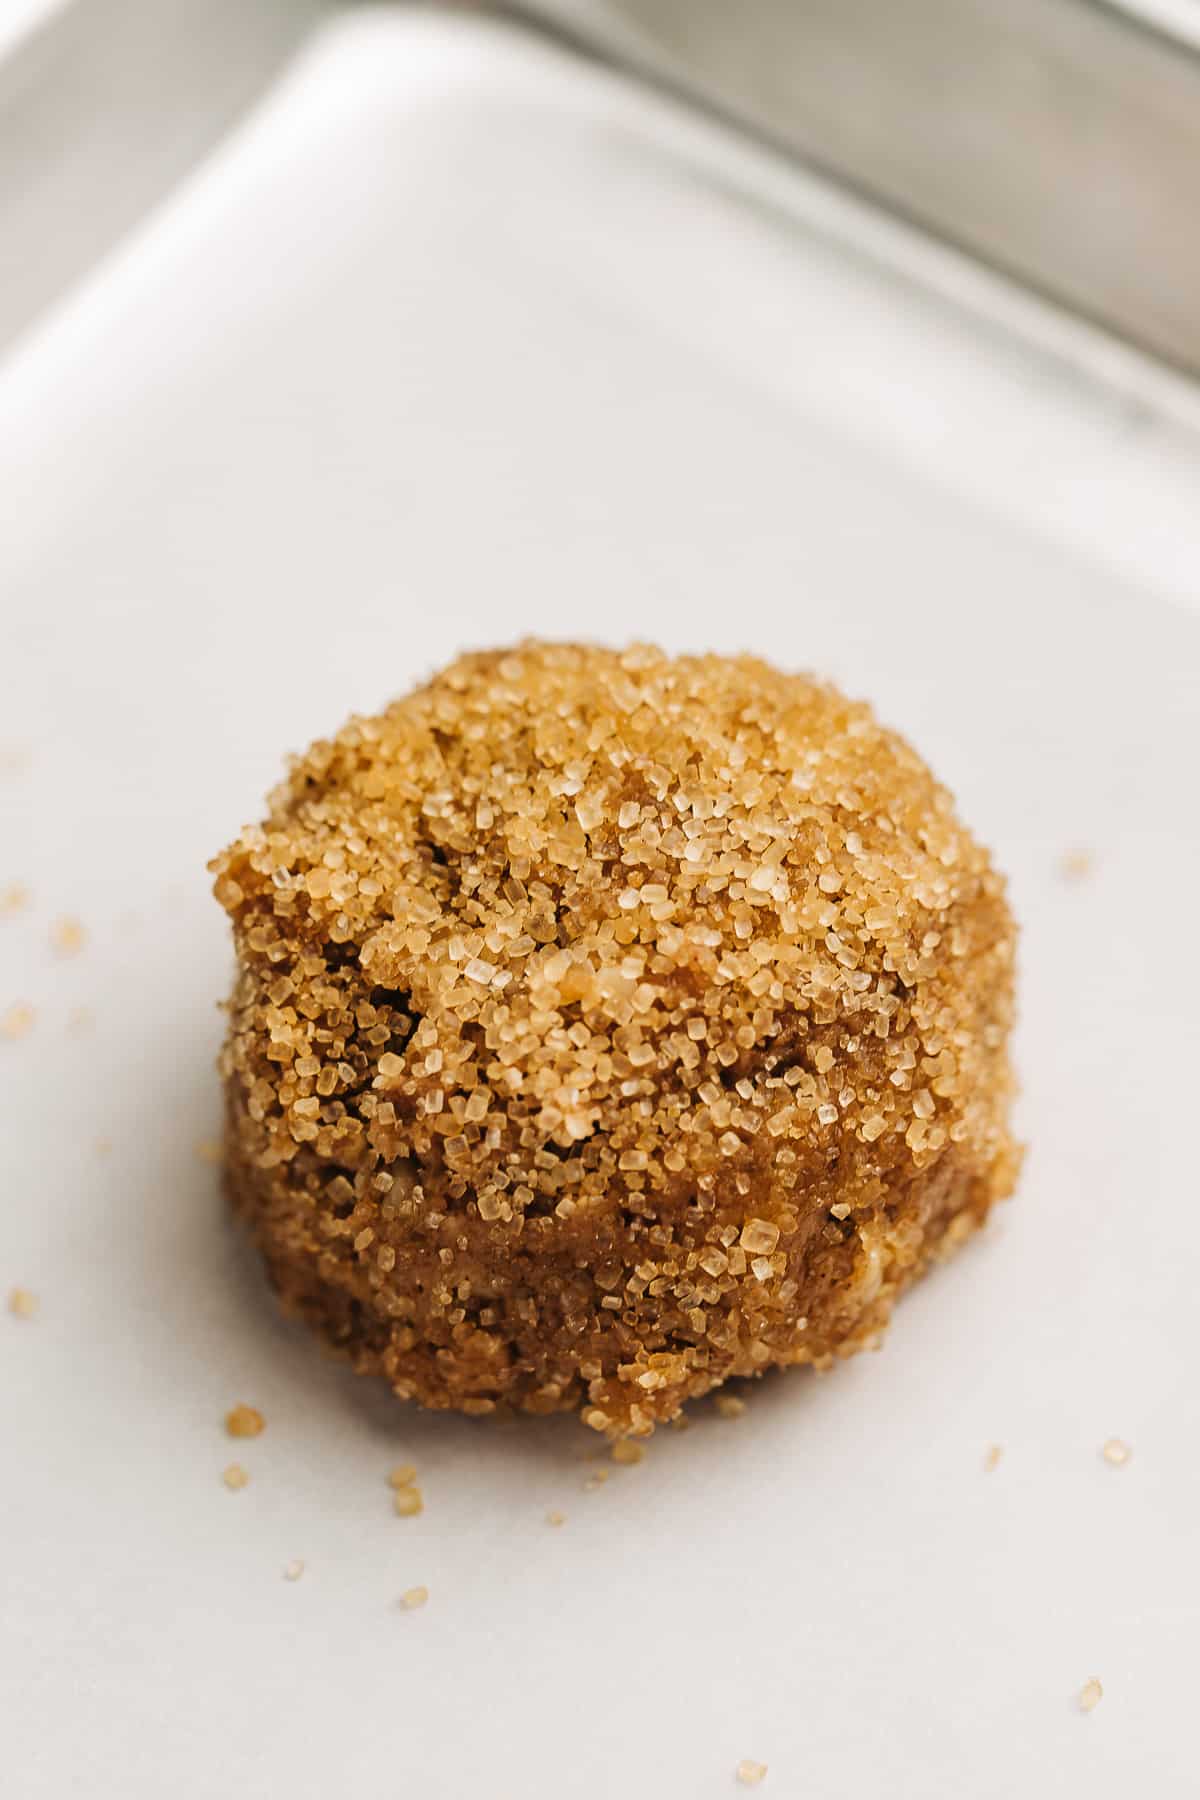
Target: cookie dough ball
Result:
[608, 1024]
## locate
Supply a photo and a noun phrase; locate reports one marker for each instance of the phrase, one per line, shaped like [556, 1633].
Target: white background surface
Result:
[459, 342]
[17, 17]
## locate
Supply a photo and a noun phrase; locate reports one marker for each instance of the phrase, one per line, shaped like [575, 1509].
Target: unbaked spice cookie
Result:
[607, 1024]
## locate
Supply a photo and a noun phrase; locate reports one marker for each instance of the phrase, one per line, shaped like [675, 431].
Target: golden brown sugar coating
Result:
[607, 1024]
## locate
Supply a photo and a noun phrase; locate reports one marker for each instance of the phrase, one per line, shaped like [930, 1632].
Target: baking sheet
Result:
[461, 340]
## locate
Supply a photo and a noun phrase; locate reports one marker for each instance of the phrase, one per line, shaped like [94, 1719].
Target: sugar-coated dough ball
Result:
[607, 1024]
